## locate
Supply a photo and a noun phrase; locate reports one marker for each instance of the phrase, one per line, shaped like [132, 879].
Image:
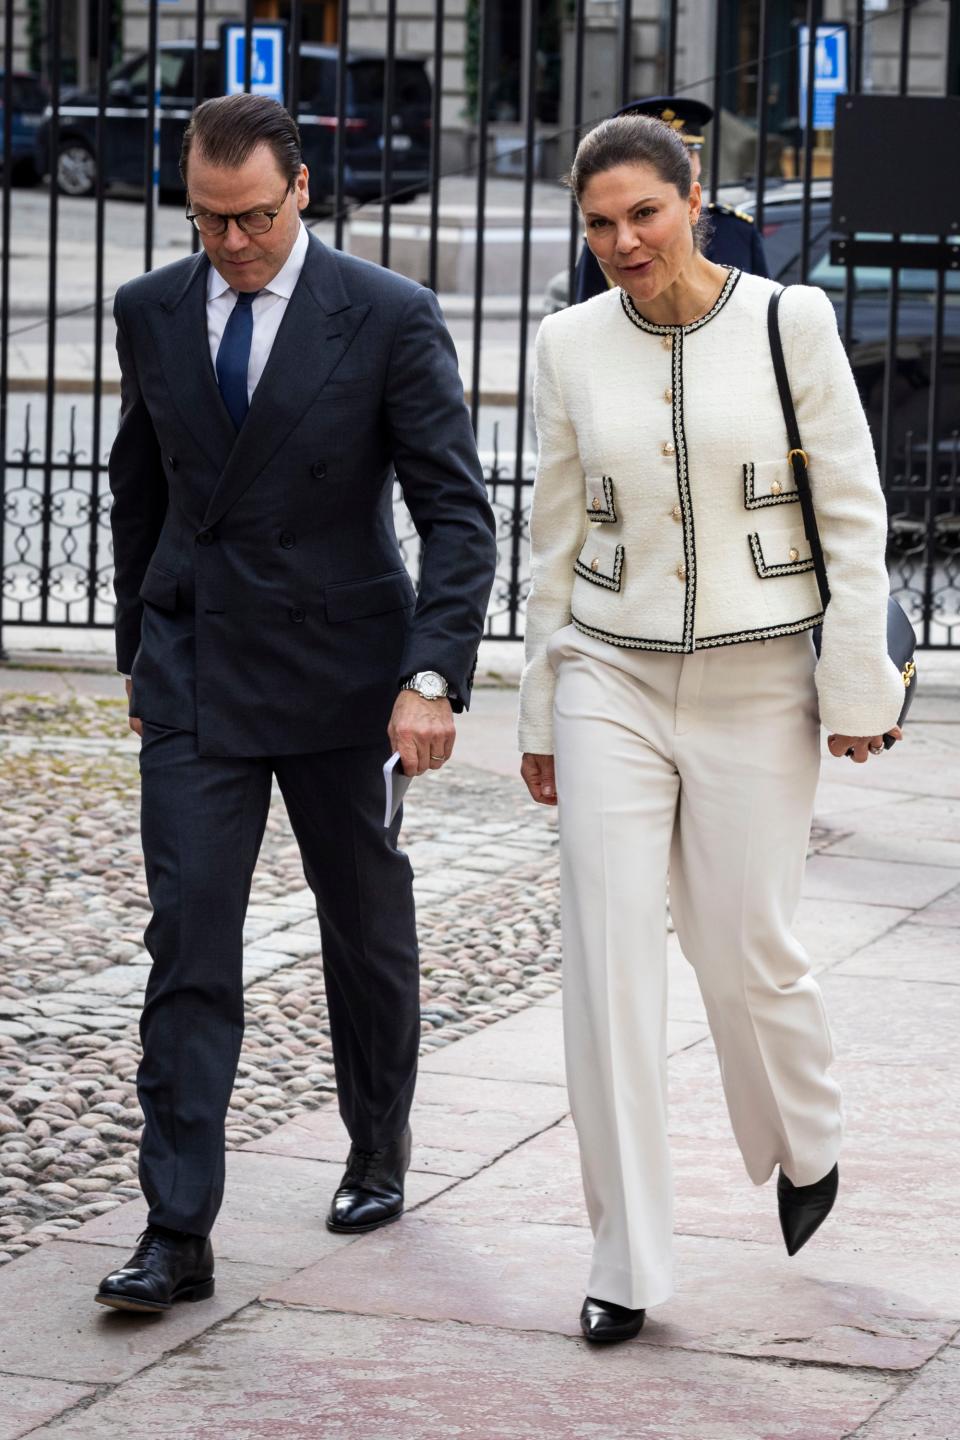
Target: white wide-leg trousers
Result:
[705, 765]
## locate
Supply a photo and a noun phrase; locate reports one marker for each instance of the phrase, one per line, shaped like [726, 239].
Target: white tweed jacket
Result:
[665, 515]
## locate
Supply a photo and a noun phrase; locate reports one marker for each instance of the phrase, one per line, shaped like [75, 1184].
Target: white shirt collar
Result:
[282, 283]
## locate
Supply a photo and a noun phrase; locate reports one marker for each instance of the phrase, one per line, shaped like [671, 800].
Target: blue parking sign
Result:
[266, 68]
[830, 73]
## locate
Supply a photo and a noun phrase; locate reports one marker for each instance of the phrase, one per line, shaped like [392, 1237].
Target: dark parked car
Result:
[29, 100]
[126, 121]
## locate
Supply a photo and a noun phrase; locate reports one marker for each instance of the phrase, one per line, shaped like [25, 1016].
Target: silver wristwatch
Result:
[428, 684]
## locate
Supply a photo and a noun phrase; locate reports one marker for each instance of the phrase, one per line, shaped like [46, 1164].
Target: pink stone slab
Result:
[926, 1409]
[945, 911]
[538, 1182]
[61, 1333]
[913, 951]
[893, 1021]
[889, 1312]
[26, 1403]
[832, 877]
[530, 1055]
[273, 1374]
[833, 929]
[459, 1123]
[273, 1211]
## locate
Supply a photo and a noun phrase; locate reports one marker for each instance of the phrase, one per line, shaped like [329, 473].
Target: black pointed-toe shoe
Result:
[604, 1323]
[165, 1267]
[371, 1191]
[803, 1208]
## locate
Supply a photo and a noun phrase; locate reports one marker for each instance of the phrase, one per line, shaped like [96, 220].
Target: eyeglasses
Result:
[251, 222]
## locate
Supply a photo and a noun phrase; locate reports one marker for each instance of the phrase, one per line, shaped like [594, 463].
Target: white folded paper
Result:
[397, 784]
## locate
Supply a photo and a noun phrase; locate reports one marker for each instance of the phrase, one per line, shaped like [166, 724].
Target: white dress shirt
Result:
[268, 309]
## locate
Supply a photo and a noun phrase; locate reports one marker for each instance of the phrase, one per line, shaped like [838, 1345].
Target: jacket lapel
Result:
[314, 335]
[179, 326]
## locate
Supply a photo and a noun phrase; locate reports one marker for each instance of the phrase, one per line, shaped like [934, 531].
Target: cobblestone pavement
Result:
[73, 968]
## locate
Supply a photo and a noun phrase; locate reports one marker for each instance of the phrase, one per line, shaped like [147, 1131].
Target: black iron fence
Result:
[447, 189]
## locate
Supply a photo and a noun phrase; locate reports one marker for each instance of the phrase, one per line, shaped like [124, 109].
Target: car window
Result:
[318, 79]
[875, 279]
[28, 95]
[411, 86]
[172, 64]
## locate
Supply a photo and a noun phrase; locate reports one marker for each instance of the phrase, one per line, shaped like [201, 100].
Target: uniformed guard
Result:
[734, 239]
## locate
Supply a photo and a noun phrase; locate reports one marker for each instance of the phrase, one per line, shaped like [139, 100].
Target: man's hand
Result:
[859, 747]
[135, 725]
[423, 731]
[540, 778]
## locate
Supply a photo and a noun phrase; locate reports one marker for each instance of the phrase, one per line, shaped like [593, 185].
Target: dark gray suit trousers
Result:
[202, 822]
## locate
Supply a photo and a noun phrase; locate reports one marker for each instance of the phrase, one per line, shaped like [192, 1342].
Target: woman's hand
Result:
[860, 747]
[539, 778]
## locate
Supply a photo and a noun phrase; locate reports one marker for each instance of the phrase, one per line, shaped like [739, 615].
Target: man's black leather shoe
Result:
[803, 1208]
[603, 1322]
[166, 1266]
[371, 1191]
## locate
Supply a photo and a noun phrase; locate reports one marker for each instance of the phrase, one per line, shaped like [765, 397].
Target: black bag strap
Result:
[796, 455]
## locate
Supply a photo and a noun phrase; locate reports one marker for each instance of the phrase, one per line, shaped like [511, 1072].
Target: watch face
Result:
[431, 686]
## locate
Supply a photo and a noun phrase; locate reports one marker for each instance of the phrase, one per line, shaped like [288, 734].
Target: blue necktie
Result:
[233, 357]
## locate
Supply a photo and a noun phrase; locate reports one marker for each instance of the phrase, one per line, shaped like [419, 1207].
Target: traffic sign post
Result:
[268, 59]
[830, 74]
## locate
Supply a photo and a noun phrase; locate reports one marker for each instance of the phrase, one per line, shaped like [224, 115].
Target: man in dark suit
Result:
[270, 389]
[733, 239]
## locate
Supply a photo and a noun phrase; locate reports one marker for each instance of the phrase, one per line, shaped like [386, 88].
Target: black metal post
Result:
[671, 67]
[579, 26]
[933, 457]
[5, 180]
[103, 66]
[339, 134]
[436, 121]
[813, 20]
[151, 146]
[763, 88]
[483, 91]
[718, 48]
[293, 57]
[199, 87]
[530, 15]
[247, 44]
[389, 86]
[626, 58]
[54, 19]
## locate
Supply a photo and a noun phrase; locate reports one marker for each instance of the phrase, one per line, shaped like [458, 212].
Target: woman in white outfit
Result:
[672, 698]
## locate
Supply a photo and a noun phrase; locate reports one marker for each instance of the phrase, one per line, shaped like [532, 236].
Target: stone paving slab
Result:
[912, 951]
[460, 1124]
[926, 1409]
[892, 1020]
[834, 877]
[945, 911]
[273, 1211]
[62, 1334]
[271, 1374]
[27, 1402]
[832, 930]
[890, 1312]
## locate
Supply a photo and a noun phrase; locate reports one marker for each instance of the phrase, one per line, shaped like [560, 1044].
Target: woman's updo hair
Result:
[636, 140]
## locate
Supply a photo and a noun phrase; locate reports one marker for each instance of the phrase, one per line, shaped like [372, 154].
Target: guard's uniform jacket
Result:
[665, 515]
[734, 240]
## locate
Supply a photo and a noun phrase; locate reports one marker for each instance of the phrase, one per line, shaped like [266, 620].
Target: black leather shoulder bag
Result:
[901, 639]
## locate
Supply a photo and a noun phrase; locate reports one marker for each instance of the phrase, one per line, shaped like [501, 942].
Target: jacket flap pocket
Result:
[159, 588]
[768, 482]
[600, 506]
[601, 561]
[357, 599]
[781, 552]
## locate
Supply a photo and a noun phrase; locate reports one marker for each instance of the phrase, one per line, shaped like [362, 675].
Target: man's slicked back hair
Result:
[227, 130]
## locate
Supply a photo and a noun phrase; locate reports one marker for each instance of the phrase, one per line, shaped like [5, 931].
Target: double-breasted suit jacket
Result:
[665, 513]
[262, 600]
